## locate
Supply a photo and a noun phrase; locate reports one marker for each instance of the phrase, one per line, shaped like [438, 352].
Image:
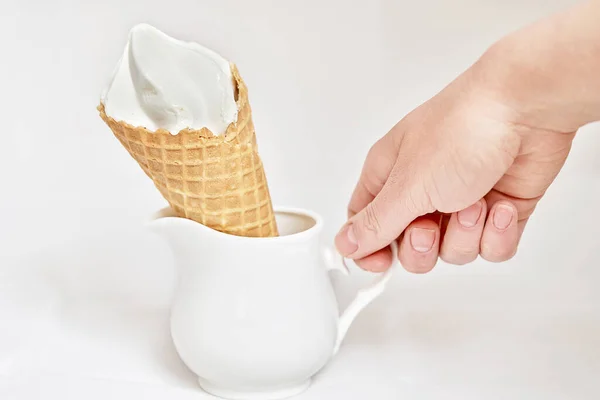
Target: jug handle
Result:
[334, 261]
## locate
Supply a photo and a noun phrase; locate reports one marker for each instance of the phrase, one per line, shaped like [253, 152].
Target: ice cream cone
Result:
[216, 180]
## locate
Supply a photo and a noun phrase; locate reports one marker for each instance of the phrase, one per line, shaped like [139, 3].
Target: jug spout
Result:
[183, 235]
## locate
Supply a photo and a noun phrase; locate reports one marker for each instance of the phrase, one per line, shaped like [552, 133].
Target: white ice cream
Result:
[161, 82]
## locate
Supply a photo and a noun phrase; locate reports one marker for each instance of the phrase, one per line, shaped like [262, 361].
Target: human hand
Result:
[460, 176]
[464, 154]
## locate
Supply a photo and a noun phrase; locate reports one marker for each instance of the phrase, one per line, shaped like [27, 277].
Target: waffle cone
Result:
[216, 180]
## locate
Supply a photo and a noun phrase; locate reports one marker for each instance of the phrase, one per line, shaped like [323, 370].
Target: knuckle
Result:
[377, 170]
[373, 152]
[495, 254]
[419, 268]
[371, 221]
[411, 205]
[418, 202]
[458, 255]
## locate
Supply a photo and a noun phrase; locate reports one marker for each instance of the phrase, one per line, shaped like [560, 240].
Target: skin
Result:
[460, 176]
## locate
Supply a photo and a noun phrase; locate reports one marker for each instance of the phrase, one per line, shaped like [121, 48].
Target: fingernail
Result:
[470, 215]
[503, 216]
[422, 239]
[346, 240]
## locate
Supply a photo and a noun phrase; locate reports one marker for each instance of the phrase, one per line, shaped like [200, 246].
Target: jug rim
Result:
[167, 213]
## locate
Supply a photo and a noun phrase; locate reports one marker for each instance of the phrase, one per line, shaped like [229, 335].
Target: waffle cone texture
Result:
[216, 180]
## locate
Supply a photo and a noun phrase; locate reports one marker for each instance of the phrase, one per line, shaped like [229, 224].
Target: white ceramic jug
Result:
[256, 318]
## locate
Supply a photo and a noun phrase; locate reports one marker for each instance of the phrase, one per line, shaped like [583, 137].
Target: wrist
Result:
[546, 74]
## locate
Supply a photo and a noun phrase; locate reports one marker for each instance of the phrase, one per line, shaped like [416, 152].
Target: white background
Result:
[84, 290]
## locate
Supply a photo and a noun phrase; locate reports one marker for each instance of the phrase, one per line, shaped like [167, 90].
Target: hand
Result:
[457, 177]
[460, 176]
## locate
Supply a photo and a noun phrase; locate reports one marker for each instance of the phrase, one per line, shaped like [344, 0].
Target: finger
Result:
[460, 244]
[501, 233]
[376, 169]
[525, 206]
[383, 219]
[419, 246]
[379, 261]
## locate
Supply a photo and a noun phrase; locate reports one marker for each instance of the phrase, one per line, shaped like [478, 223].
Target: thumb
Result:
[383, 220]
